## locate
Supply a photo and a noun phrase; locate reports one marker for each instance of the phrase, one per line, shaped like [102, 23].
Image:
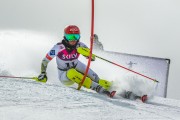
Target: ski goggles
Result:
[72, 37]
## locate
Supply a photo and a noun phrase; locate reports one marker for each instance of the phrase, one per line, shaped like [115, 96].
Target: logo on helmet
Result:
[73, 30]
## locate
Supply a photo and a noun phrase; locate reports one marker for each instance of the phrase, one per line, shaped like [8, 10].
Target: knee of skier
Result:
[96, 78]
[77, 77]
[62, 75]
[70, 73]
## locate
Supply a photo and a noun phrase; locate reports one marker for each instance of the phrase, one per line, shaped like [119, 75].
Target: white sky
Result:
[143, 27]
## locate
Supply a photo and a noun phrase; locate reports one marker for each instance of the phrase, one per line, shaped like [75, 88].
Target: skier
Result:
[70, 69]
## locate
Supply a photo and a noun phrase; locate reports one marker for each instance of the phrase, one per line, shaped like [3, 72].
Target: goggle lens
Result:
[72, 37]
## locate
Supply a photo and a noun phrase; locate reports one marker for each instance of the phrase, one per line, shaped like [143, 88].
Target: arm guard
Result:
[44, 65]
[85, 52]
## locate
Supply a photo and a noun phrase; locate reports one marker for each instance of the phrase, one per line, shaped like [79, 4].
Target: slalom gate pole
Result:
[91, 45]
[34, 78]
[127, 68]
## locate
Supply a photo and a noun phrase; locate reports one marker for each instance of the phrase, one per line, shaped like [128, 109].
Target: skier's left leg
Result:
[77, 77]
[105, 84]
[93, 76]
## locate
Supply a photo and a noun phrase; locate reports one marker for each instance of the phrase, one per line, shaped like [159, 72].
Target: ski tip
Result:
[144, 98]
[112, 94]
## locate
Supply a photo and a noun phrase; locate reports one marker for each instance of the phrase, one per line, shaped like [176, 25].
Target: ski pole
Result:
[34, 78]
[126, 68]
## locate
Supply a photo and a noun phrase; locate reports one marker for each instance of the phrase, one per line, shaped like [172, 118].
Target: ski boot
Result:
[100, 90]
[110, 94]
[130, 95]
[105, 84]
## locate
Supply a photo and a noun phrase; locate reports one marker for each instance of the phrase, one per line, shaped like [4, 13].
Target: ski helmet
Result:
[72, 29]
[71, 33]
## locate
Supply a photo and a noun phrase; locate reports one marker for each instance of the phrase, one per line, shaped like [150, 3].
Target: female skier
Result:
[70, 69]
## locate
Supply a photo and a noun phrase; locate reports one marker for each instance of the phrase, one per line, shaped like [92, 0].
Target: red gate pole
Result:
[91, 46]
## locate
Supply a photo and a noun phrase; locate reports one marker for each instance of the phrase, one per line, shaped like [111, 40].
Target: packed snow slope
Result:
[29, 100]
[21, 53]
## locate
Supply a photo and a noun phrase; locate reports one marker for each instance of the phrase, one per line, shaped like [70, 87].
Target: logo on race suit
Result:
[69, 56]
[64, 55]
[52, 52]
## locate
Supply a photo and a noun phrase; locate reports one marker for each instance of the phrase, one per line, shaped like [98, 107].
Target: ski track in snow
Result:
[30, 100]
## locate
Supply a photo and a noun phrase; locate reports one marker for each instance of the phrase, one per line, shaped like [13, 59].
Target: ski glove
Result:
[42, 77]
[92, 59]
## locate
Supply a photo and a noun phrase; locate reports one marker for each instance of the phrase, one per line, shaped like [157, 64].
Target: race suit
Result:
[65, 60]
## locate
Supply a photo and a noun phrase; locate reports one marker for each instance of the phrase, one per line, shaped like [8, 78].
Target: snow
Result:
[30, 100]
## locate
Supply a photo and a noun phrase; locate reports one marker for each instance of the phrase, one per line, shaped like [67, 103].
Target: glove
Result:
[42, 77]
[92, 58]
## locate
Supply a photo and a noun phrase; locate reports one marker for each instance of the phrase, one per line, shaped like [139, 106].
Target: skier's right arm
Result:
[49, 56]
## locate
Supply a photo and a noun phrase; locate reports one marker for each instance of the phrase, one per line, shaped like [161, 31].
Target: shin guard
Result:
[105, 84]
[77, 77]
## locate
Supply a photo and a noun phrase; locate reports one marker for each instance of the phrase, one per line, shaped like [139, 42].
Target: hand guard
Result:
[92, 59]
[42, 77]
